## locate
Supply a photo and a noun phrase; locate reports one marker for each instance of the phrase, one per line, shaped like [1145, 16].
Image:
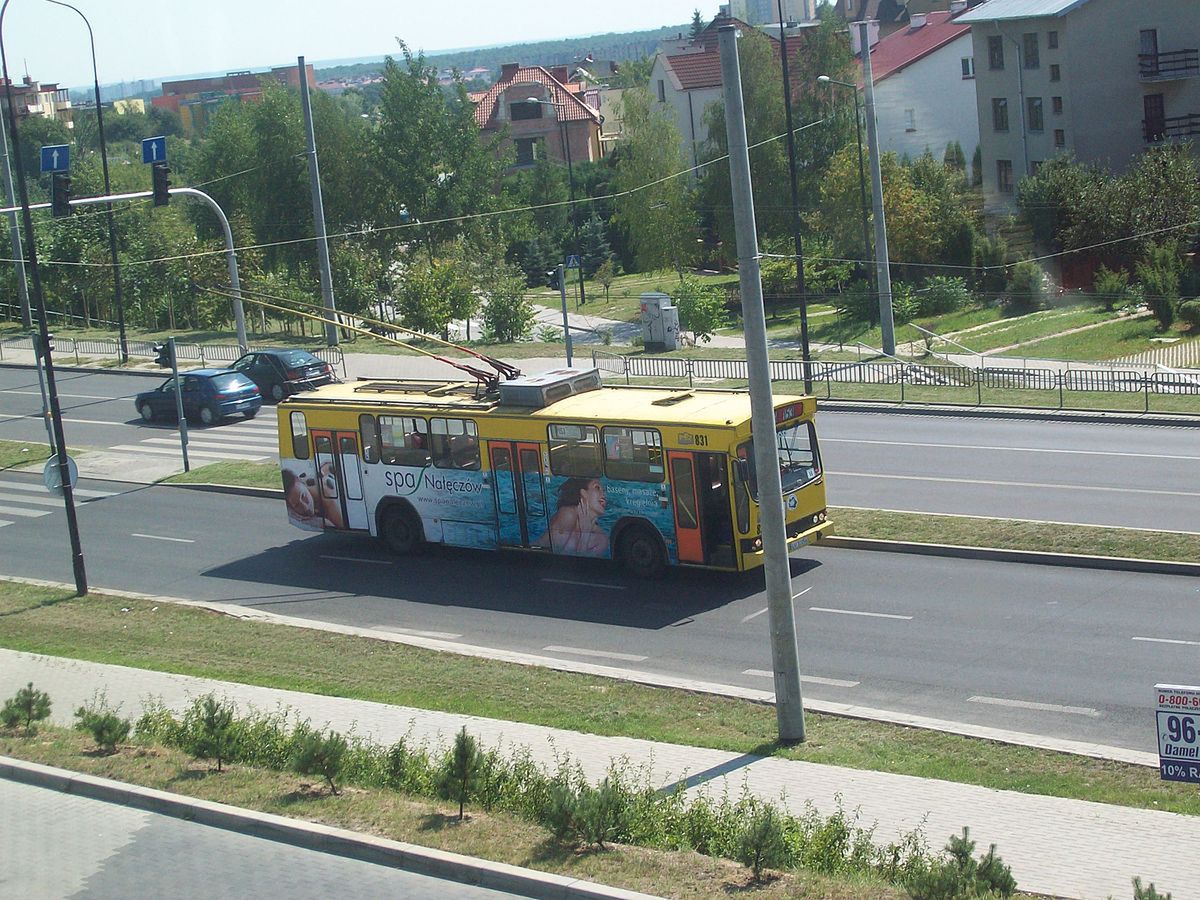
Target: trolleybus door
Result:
[520, 494]
[340, 478]
[687, 507]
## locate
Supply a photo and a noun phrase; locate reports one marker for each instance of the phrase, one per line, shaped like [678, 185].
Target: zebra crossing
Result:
[30, 500]
[246, 441]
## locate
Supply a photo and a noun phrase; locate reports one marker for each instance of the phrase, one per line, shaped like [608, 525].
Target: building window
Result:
[910, 120]
[1000, 114]
[1056, 105]
[1033, 114]
[527, 151]
[1052, 40]
[662, 91]
[521, 110]
[1004, 176]
[1060, 138]
[1055, 72]
[968, 66]
[1030, 45]
[995, 52]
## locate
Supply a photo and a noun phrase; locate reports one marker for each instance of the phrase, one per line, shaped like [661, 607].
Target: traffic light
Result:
[60, 195]
[162, 356]
[159, 172]
[39, 349]
[552, 280]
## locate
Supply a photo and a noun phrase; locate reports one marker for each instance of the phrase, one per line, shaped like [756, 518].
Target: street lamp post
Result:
[801, 295]
[112, 236]
[862, 176]
[566, 144]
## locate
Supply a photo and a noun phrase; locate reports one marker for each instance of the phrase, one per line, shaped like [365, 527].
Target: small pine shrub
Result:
[208, 724]
[104, 725]
[763, 845]
[318, 753]
[25, 709]
[460, 770]
[1148, 892]
[1111, 288]
[959, 874]
[1159, 273]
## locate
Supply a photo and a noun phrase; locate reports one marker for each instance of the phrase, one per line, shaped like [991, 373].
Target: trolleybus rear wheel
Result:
[400, 530]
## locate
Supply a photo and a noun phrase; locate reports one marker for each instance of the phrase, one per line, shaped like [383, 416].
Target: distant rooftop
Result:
[908, 45]
[997, 10]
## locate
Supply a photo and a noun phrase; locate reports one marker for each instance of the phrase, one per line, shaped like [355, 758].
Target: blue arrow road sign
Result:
[573, 262]
[154, 150]
[56, 158]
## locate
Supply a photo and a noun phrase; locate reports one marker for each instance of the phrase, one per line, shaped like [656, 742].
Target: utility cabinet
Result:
[660, 322]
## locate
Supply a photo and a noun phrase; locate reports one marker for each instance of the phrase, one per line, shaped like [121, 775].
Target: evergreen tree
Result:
[594, 248]
[697, 24]
[26, 708]
[460, 772]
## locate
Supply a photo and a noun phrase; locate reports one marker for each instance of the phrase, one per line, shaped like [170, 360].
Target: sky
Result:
[138, 39]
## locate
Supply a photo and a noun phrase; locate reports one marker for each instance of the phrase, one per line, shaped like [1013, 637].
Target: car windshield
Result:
[799, 460]
[298, 359]
[231, 381]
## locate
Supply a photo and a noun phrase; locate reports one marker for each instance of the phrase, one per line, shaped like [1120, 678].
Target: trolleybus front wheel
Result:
[641, 552]
[400, 529]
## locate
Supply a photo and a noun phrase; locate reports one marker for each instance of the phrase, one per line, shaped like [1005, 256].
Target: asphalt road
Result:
[1101, 474]
[103, 850]
[1062, 652]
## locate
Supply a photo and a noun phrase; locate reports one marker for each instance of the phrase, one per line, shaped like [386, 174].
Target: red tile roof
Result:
[696, 70]
[572, 108]
[904, 47]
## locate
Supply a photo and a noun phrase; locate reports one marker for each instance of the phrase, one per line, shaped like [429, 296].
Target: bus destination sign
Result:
[1177, 710]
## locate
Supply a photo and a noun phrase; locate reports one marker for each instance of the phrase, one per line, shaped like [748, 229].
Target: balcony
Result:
[1171, 129]
[1169, 66]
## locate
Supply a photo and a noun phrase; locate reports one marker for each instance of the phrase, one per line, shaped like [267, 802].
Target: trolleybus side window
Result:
[370, 438]
[455, 443]
[633, 454]
[575, 451]
[299, 436]
[403, 441]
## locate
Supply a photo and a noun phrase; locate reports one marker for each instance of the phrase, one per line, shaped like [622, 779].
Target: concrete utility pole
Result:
[314, 180]
[785, 657]
[883, 277]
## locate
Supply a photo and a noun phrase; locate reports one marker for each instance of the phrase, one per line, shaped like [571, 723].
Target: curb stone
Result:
[318, 837]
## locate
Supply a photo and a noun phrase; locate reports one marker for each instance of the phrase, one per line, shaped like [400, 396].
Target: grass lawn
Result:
[242, 474]
[1122, 337]
[17, 454]
[1034, 326]
[196, 642]
[623, 302]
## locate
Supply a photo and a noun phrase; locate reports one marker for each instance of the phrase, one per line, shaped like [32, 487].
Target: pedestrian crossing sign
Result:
[573, 261]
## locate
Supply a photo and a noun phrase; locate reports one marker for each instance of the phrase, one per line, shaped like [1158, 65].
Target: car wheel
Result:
[641, 552]
[278, 394]
[209, 416]
[401, 530]
[147, 412]
[250, 413]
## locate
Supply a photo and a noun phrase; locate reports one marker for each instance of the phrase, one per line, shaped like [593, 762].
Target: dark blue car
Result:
[208, 395]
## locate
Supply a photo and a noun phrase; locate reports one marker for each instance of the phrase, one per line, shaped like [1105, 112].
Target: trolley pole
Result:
[785, 656]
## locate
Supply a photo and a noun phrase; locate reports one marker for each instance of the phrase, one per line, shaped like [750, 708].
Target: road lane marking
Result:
[755, 615]
[802, 593]
[4, 522]
[24, 513]
[595, 584]
[1024, 484]
[435, 635]
[1168, 641]
[40, 488]
[212, 444]
[137, 448]
[359, 559]
[814, 679]
[45, 500]
[270, 442]
[1029, 704]
[857, 612]
[599, 654]
[1011, 449]
[163, 537]
[71, 396]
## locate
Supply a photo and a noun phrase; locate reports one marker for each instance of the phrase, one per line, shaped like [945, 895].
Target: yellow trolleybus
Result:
[555, 463]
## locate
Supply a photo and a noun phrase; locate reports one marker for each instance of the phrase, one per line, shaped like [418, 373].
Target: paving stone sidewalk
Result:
[1059, 847]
